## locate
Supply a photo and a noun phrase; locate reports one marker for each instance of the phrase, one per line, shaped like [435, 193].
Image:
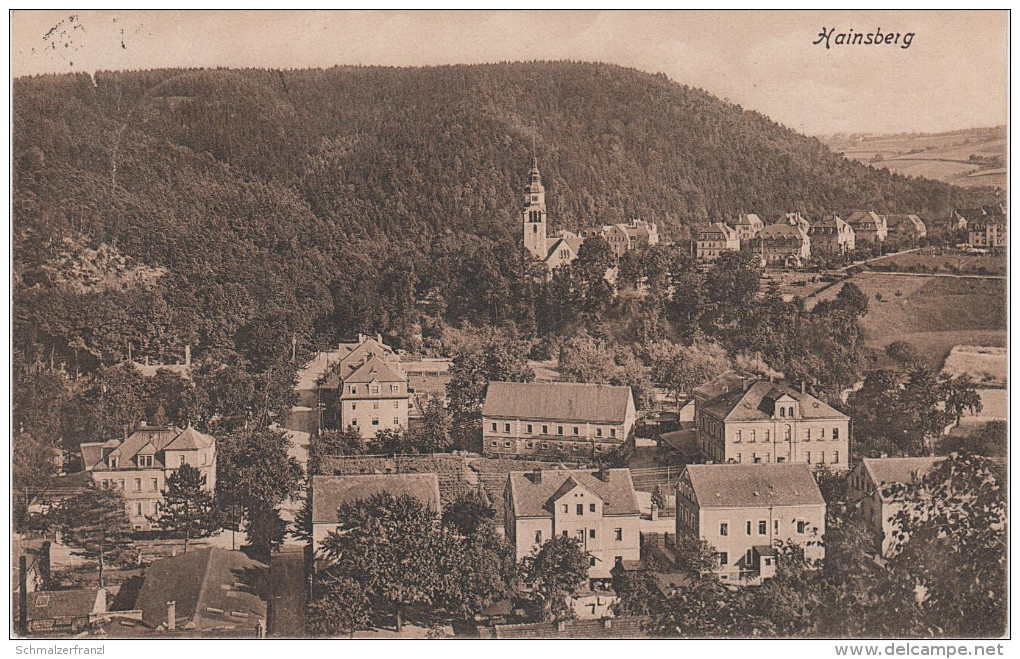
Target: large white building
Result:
[598, 508]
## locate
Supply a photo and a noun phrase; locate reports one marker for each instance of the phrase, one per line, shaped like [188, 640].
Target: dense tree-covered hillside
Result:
[325, 202]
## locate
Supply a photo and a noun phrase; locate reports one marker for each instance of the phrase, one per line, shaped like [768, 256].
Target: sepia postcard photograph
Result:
[509, 324]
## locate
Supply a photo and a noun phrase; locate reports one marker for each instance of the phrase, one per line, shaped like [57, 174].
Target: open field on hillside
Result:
[932, 313]
[943, 156]
[986, 365]
[954, 262]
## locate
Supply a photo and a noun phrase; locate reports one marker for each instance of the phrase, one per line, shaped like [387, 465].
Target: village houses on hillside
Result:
[868, 226]
[716, 239]
[562, 247]
[831, 235]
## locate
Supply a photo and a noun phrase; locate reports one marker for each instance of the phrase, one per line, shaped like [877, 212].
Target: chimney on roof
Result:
[187, 355]
[171, 615]
[361, 338]
[604, 474]
[100, 606]
[378, 338]
[803, 387]
[561, 625]
[536, 476]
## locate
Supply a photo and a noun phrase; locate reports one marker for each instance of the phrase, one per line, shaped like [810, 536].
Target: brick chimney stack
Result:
[171, 615]
[536, 476]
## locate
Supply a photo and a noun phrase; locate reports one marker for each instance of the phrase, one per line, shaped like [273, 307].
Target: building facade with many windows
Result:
[756, 421]
[556, 419]
[597, 508]
[742, 511]
[139, 465]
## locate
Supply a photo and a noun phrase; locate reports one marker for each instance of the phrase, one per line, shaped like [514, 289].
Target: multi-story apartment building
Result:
[988, 232]
[785, 244]
[373, 396]
[747, 226]
[743, 510]
[831, 235]
[556, 419]
[868, 485]
[139, 465]
[716, 239]
[598, 508]
[906, 227]
[868, 226]
[764, 422]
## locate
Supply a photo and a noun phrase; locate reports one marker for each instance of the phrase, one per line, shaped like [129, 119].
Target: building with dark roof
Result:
[139, 465]
[329, 492]
[598, 508]
[868, 485]
[784, 244]
[762, 421]
[747, 226]
[831, 235]
[868, 226]
[209, 589]
[61, 612]
[555, 418]
[716, 239]
[374, 397]
[744, 510]
[906, 227]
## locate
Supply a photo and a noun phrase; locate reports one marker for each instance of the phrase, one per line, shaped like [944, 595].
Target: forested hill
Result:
[293, 200]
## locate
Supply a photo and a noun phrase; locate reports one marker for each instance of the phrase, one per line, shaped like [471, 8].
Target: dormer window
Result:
[354, 390]
[144, 460]
[113, 463]
[374, 389]
[782, 412]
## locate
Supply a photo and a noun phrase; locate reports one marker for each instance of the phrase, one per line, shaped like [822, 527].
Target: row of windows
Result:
[800, 526]
[146, 460]
[767, 458]
[529, 429]
[118, 484]
[574, 446]
[580, 509]
[617, 534]
[374, 389]
[375, 406]
[375, 421]
[139, 508]
[787, 435]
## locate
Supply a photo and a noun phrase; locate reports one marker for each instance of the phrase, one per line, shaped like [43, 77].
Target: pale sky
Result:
[953, 75]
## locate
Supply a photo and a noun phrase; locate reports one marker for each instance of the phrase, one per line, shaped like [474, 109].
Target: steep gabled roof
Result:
[898, 470]
[783, 231]
[52, 604]
[210, 587]
[375, 369]
[718, 227]
[753, 485]
[534, 499]
[189, 440]
[756, 403]
[558, 401]
[328, 492]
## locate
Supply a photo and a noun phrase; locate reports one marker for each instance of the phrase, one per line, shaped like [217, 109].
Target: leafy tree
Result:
[584, 358]
[681, 369]
[730, 287]
[903, 353]
[639, 594]
[333, 442]
[554, 570]
[396, 548]
[469, 512]
[342, 609]
[497, 357]
[658, 498]
[188, 509]
[990, 441]
[950, 545]
[433, 436]
[95, 522]
[255, 473]
[266, 531]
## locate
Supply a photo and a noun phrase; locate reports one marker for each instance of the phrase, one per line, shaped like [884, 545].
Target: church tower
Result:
[534, 214]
